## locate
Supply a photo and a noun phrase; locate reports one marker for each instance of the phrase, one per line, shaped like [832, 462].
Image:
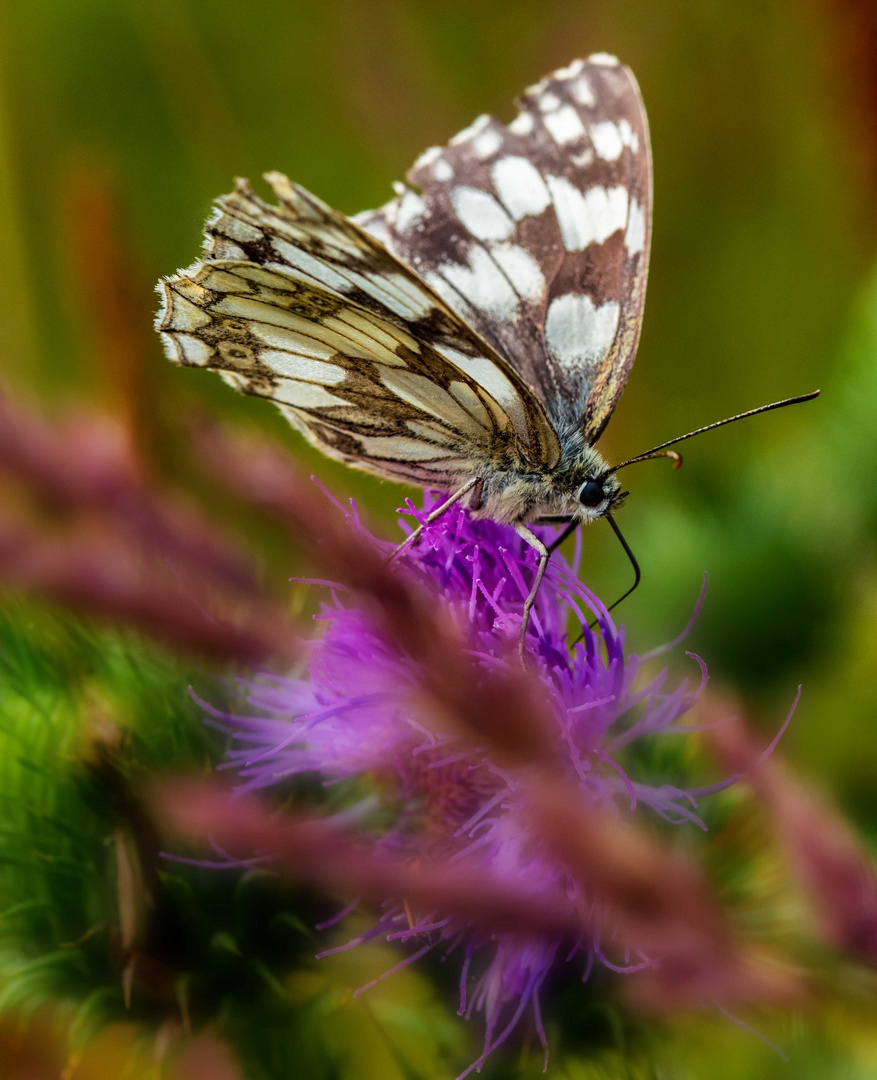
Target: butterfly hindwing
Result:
[537, 233]
[296, 303]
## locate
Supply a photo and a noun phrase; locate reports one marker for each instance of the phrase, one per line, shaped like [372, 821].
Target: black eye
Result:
[592, 493]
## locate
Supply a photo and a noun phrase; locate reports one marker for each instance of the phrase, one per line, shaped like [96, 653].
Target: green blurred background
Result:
[120, 120]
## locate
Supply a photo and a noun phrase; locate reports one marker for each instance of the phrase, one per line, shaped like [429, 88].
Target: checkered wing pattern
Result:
[537, 234]
[294, 302]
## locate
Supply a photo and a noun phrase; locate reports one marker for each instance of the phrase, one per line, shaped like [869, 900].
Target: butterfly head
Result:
[586, 485]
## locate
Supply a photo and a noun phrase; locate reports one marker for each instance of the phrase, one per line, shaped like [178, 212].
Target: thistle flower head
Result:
[356, 715]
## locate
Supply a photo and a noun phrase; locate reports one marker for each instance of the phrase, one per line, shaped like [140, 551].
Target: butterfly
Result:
[475, 333]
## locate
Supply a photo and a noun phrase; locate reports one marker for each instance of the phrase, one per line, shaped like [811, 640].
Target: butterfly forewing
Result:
[537, 233]
[296, 303]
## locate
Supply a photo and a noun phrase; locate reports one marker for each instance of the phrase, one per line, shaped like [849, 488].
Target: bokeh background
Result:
[120, 120]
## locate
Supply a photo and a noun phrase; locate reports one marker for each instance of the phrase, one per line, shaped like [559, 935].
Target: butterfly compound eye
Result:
[592, 493]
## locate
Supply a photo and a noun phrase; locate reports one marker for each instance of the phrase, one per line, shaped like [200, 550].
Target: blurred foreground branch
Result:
[822, 854]
[82, 526]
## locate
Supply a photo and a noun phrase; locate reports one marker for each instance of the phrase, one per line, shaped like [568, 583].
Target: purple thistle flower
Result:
[356, 716]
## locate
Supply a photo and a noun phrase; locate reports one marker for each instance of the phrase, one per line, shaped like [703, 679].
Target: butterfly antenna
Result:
[655, 451]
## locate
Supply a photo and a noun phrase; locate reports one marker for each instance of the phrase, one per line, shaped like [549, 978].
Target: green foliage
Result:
[63, 685]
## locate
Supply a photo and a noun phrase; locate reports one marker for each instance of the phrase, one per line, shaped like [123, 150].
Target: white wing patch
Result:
[578, 332]
[635, 237]
[610, 139]
[522, 271]
[520, 186]
[587, 217]
[565, 125]
[481, 214]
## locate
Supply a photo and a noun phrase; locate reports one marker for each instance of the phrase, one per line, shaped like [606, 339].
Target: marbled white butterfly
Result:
[474, 334]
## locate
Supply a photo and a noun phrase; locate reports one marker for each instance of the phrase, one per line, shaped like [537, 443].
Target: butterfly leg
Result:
[434, 515]
[544, 555]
